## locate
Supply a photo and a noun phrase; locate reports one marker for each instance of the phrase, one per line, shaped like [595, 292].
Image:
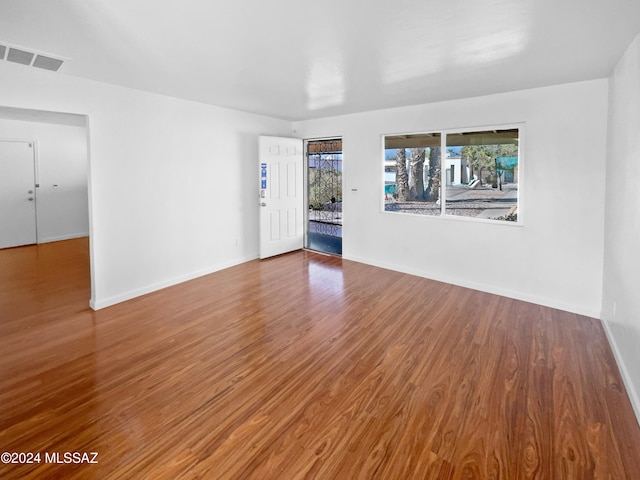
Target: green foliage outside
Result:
[325, 185]
[483, 157]
[510, 217]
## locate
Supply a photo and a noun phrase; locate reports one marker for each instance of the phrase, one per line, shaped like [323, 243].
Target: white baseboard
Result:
[626, 378]
[123, 297]
[62, 237]
[552, 303]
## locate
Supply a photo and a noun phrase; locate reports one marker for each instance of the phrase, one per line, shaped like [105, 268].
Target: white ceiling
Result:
[296, 59]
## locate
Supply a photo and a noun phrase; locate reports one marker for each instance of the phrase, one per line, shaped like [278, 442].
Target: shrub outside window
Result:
[476, 172]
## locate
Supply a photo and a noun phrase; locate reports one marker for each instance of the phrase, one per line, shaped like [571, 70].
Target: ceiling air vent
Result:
[47, 63]
[33, 59]
[20, 56]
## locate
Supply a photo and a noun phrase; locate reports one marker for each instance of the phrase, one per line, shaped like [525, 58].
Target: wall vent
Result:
[20, 56]
[33, 59]
[48, 63]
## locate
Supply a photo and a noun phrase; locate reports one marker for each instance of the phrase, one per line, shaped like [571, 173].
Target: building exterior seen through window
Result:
[475, 172]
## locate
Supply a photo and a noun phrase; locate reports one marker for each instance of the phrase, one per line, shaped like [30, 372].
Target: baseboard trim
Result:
[525, 297]
[99, 304]
[626, 378]
[63, 237]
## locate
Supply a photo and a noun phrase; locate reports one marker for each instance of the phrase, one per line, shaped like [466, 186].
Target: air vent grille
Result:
[19, 56]
[47, 63]
[33, 59]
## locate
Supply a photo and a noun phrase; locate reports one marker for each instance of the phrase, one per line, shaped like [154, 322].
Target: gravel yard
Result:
[470, 209]
[464, 202]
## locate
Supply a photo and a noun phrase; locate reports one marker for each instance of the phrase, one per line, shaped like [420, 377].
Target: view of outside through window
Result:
[324, 174]
[478, 173]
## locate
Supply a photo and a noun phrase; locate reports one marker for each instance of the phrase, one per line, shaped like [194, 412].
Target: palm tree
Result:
[433, 185]
[416, 181]
[402, 180]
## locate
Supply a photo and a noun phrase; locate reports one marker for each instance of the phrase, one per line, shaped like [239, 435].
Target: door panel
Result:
[281, 195]
[17, 194]
[274, 227]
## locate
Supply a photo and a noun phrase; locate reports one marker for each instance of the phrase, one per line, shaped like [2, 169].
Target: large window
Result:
[475, 172]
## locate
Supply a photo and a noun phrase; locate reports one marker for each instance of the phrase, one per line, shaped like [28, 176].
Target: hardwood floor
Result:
[302, 366]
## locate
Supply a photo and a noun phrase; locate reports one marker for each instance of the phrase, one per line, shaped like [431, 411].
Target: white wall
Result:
[61, 158]
[555, 259]
[172, 183]
[621, 299]
[172, 188]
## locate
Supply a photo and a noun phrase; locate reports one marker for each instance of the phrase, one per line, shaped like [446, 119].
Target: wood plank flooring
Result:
[302, 367]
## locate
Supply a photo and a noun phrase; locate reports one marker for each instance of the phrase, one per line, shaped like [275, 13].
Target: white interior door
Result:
[17, 194]
[281, 195]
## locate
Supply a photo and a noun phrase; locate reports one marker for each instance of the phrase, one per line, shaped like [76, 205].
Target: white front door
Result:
[17, 194]
[280, 171]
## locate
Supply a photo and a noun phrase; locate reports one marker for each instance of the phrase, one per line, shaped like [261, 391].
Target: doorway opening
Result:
[51, 195]
[323, 232]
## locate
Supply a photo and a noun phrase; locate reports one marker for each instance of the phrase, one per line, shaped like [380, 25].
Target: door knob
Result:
[30, 199]
[263, 204]
[30, 192]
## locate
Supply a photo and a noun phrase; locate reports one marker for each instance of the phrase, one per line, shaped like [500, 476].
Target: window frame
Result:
[444, 132]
